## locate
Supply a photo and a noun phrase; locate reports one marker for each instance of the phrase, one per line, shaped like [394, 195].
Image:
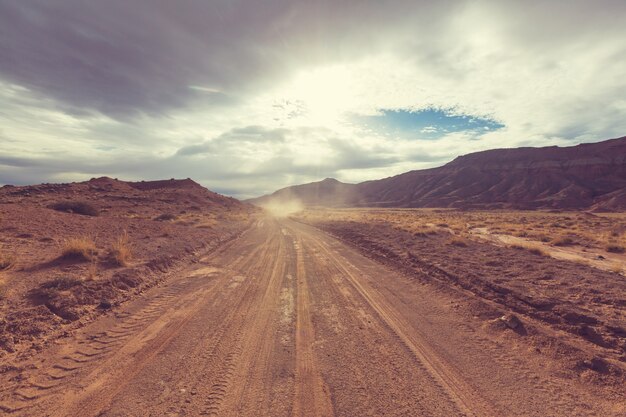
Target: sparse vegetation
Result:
[61, 283]
[457, 241]
[582, 231]
[3, 286]
[6, 261]
[615, 248]
[121, 253]
[532, 248]
[424, 231]
[165, 217]
[92, 271]
[79, 249]
[77, 207]
[563, 241]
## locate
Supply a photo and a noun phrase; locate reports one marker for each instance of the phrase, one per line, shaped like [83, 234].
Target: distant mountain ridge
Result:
[147, 192]
[585, 176]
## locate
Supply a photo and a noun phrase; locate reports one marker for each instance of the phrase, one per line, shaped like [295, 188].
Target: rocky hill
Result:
[586, 176]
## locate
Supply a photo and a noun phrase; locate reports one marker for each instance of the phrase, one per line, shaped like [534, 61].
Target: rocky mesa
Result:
[586, 176]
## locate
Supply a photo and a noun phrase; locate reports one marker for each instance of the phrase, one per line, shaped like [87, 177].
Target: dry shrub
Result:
[6, 261]
[563, 241]
[457, 241]
[206, 224]
[534, 249]
[78, 207]
[615, 248]
[618, 269]
[537, 251]
[424, 232]
[79, 248]
[92, 270]
[165, 217]
[3, 287]
[121, 253]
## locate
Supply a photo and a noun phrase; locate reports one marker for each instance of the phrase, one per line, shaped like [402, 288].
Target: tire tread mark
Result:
[468, 401]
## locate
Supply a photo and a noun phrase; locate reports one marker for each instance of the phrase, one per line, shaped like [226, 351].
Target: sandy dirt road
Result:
[287, 321]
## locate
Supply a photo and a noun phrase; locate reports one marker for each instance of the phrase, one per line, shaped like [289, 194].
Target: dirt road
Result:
[288, 321]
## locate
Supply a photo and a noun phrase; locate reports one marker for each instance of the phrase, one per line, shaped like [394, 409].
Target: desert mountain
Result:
[110, 192]
[586, 176]
[327, 193]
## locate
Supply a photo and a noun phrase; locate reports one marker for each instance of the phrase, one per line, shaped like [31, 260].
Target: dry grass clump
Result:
[79, 248]
[121, 252]
[6, 261]
[457, 241]
[78, 207]
[165, 217]
[534, 249]
[563, 241]
[92, 270]
[615, 248]
[206, 224]
[424, 231]
[3, 288]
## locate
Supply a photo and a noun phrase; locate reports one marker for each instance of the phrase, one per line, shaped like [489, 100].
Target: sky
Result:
[246, 97]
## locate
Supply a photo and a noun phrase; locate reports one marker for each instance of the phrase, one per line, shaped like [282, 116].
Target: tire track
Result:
[311, 394]
[468, 401]
[113, 344]
[353, 335]
[186, 308]
[261, 324]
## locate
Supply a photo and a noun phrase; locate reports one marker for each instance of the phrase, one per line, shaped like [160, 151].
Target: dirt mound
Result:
[42, 227]
[586, 176]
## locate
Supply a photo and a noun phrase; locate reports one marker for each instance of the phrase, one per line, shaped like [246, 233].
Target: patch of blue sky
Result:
[427, 124]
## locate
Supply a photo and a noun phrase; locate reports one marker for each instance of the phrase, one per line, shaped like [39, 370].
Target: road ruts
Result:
[311, 394]
[467, 400]
[287, 321]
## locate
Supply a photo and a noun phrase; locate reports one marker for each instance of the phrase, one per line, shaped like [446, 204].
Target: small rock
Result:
[497, 324]
[596, 364]
[7, 343]
[511, 321]
[105, 304]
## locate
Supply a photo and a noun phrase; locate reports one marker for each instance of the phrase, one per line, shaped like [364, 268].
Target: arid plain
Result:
[167, 299]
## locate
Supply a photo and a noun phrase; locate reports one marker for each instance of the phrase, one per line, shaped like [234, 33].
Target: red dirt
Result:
[44, 294]
[285, 320]
[578, 308]
[226, 311]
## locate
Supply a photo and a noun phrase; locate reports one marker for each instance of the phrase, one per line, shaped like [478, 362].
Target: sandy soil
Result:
[287, 320]
[44, 295]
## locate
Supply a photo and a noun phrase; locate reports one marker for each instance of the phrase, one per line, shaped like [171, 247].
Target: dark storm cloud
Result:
[115, 57]
[125, 57]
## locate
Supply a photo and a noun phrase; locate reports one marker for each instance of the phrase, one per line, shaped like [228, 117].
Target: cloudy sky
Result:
[249, 96]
